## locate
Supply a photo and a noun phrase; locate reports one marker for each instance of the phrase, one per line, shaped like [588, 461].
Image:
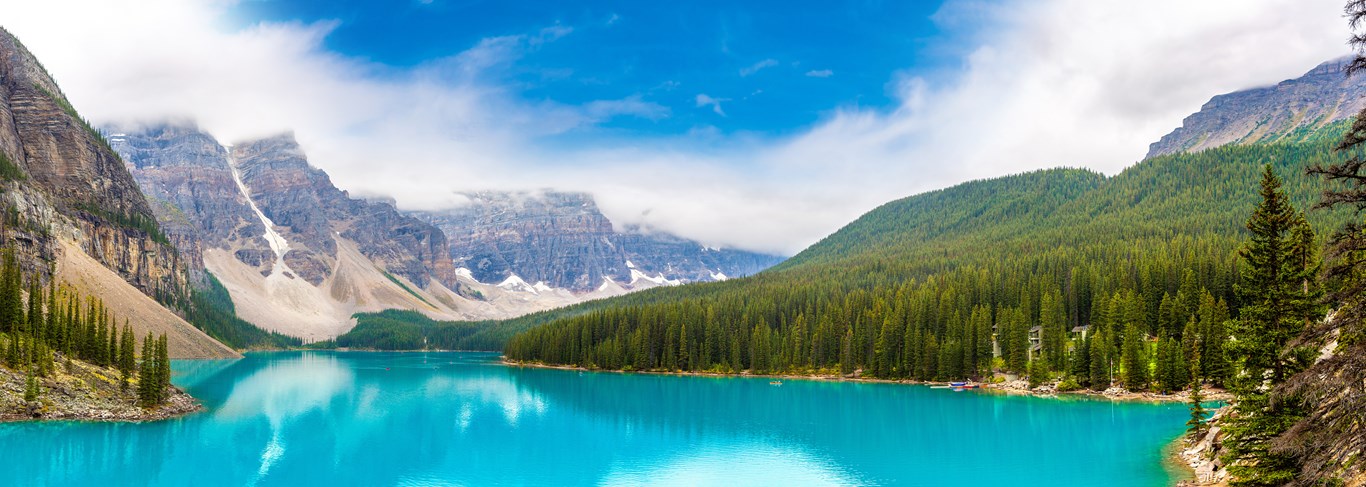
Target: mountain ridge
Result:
[563, 240]
[1280, 112]
[76, 214]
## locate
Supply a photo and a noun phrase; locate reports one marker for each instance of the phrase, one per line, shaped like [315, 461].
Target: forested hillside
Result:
[918, 287]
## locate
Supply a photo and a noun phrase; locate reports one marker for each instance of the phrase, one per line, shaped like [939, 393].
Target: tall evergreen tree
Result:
[1081, 362]
[36, 326]
[163, 368]
[1100, 362]
[1134, 359]
[147, 381]
[11, 302]
[1195, 426]
[1277, 303]
[1272, 287]
[1038, 372]
[1053, 320]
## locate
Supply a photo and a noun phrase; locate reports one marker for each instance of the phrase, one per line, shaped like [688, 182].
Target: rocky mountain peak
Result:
[1285, 111]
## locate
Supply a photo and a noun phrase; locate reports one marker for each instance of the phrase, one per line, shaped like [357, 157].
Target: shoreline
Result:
[1180, 457]
[79, 391]
[1017, 387]
[179, 405]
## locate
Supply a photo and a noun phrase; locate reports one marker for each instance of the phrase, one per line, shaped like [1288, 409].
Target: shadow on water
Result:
[332, 418]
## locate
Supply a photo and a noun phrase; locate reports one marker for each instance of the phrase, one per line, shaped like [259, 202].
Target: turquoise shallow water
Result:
[418, 419]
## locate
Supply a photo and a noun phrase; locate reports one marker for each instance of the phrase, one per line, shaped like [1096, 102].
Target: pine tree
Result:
[163, 369]
[1196, 424]
[113, 351]
[1214, 364]
[1134, 359]
[31, 387]
[11, 301]
[1100, 362]
[36, 326]
[1277, 305]
[12, 350]
[147, 380]
[981, 319]
[126, 361]
[1038, 372]
[44, 360]
[51, 320]
[1164, 365]
[1272, 287]
[1053, 320]
[1081, 362]
[100, 347]
[847, 353]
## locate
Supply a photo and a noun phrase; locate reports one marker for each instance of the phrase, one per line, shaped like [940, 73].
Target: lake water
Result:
[418, 419]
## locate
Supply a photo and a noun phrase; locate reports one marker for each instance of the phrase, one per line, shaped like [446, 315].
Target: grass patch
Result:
[9, 171]
[395, 280]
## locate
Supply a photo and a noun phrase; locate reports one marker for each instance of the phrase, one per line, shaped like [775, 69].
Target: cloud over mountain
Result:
[1056, 82]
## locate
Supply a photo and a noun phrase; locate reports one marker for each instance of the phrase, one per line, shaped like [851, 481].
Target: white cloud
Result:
[1041, 84]
[820, 73]
[632, 105]
[715, 103]
[759, 66]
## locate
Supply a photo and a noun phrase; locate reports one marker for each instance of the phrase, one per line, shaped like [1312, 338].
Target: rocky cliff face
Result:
[302, 199]
[74, 208]
[1287, 111]
[185, 175]
[70, 165]
[298, 255]
[564, 241]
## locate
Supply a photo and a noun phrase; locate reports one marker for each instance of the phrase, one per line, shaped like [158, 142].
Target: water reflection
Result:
[461, 419]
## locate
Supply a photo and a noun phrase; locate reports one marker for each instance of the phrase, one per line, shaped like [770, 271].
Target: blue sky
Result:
[696, 118]
[762, 67]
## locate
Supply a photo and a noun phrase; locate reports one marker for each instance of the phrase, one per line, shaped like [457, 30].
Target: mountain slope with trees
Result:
[1187, 268]
[918, 288]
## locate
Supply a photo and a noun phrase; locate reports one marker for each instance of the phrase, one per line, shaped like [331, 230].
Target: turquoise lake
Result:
[418, 419]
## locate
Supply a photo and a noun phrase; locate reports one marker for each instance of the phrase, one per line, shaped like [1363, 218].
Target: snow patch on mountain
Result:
[660, 280]
[277, 242]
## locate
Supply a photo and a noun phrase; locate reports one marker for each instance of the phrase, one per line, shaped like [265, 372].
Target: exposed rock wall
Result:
[1285, 111]
[302, 199]
[564, 240]
[73, 211]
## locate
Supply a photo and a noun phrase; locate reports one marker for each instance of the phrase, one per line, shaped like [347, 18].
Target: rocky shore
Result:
[1202, 457]
[1115, 393]
[1007, 386]
[78, 391]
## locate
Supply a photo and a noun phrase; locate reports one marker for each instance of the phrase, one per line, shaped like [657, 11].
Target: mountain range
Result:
[563, 240]
[300, 257]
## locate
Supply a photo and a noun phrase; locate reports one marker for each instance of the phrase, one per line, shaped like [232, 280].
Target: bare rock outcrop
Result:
[1287, 111]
